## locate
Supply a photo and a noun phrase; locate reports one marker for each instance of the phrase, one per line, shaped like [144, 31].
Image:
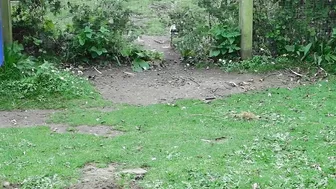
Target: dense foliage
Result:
[301, 30]
[207, 31]
[92, 34]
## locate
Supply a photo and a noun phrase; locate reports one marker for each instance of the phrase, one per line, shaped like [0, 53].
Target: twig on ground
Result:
[128, 73]
[192, 79]
[210, 98]
[269, 75]
[158, 41]
[295, 73]
[97, 70]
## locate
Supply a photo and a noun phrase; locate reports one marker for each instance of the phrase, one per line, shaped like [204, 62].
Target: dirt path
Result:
[177, 82]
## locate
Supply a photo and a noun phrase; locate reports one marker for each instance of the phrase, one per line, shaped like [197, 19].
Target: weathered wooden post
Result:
[246, 28]
[6, 21]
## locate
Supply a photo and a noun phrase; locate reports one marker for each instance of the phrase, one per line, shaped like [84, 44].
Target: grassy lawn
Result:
[277, 138]
[285, 139]
[10, 100]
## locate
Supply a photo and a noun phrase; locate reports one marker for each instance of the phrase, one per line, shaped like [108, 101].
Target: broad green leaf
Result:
[89, 35]
[104, 50]
[214, 53]
[136, 68]
[96, 50]
[306, 50]
[290, 48]
[144, 65]
[139, 64]
[230, 34]
[104, 30]
[231, 40]
[333, 57]
[87, 29]
[141, 55]
[81, 41]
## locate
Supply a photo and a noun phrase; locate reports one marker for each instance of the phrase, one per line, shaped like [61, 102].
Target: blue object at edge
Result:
[2, 56]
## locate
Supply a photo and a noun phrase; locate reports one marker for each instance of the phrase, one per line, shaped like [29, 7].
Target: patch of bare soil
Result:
[175, 81]
[100, 178]
[32, 118]
[24, 118]
[105, 178]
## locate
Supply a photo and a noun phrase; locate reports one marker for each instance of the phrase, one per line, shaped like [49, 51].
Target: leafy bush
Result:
[320, 53]
[221, 11]
[96, 32]
[207, 31]
[226, 42]
[291, 22]
[192, 36]
[32, 28]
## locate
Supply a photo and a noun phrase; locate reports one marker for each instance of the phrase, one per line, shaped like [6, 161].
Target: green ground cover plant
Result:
[28, 83]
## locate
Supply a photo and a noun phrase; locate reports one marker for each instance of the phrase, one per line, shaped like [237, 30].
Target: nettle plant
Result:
[226, 42]
[96, 33]
[92, 42]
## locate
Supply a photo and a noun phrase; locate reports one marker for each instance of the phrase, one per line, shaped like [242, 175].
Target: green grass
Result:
[291, 145]
[28, 94]
[51, 102]
[263, 64]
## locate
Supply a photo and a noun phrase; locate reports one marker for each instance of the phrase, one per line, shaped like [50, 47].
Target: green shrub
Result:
[96, 33]
[226, 42]
[290, 22]
[33, 29]
[319, 53]
[192, 41]
[221, 11]
[207, 31]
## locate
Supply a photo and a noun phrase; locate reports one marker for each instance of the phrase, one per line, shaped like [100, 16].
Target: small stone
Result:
[136, 171]
[6, 184]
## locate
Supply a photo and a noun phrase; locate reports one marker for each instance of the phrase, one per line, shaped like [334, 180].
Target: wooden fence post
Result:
[6, 22]
[246, 28]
